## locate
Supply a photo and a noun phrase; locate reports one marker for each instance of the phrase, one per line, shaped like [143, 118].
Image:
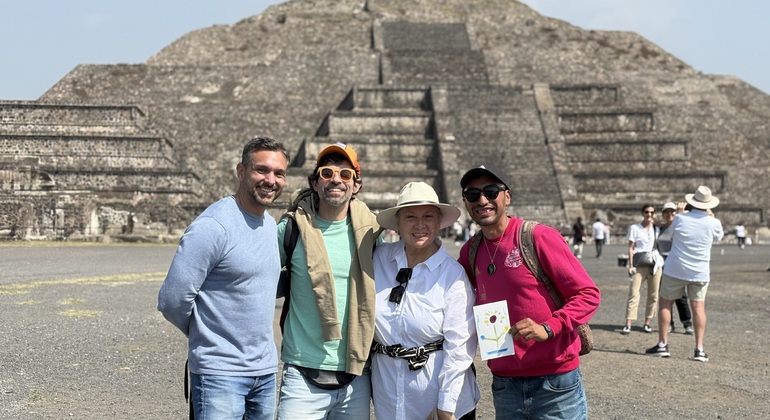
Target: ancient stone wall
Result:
[584, 122]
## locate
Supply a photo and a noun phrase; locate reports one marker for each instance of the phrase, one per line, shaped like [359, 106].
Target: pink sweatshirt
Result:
[528, 298]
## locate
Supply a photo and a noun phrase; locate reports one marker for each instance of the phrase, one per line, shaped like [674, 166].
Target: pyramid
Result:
[585, 123]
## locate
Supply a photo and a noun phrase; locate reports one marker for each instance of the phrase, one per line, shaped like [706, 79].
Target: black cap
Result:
[482, 170]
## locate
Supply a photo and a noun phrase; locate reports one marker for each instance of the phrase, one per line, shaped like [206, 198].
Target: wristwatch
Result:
[548, 330]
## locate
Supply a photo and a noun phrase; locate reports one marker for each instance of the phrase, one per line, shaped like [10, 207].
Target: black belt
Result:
[416, 356]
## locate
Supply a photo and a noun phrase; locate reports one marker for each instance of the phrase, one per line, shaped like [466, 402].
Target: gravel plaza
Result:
[82, 339]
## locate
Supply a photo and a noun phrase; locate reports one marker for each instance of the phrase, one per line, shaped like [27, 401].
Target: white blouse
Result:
[438, 303]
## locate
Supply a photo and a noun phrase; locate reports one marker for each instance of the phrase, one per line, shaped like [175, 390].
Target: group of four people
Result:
[367, 320]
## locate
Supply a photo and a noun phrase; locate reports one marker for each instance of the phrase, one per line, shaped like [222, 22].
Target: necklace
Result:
[491, 267]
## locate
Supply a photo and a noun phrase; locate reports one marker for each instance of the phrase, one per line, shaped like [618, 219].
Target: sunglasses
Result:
[327, 173]
[397, 293]
[649, 212]
[491, 192]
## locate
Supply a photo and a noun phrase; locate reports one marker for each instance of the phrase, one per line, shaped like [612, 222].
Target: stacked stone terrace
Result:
[63, 168]
[585, 123]
[632, 151]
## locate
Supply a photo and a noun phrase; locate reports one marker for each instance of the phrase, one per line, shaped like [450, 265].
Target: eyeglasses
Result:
[490, 192]
[402, 277]
[327, 172]
[649, 212]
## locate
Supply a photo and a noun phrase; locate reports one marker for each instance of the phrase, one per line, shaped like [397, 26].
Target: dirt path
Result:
[80, 338]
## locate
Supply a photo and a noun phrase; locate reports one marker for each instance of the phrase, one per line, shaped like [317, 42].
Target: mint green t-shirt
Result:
[303, 343]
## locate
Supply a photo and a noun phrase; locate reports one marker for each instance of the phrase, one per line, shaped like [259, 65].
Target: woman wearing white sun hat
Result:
[425, 335]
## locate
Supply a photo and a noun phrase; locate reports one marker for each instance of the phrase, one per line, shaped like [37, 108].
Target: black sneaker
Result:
[700, 356]
[658, 350]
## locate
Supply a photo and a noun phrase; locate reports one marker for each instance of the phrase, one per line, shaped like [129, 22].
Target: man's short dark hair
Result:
[258, 144]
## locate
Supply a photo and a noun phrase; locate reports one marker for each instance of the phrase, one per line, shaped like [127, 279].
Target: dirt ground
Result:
[80, 338]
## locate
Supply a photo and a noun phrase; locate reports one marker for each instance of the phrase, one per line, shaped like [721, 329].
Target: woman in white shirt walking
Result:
[425, 335]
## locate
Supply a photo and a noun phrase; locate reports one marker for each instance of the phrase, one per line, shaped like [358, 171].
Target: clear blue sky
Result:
[41, 41]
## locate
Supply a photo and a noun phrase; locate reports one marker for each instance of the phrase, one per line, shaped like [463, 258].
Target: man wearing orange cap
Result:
[329, 325]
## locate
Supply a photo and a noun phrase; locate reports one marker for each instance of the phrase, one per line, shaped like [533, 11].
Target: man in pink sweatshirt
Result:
[542, 379]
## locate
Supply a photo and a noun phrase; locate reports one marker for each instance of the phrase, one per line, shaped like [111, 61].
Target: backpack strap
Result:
[290, 236]
[529, 255]
[473, 249]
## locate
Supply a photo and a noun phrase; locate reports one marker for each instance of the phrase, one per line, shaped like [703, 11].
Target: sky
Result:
[42, 40]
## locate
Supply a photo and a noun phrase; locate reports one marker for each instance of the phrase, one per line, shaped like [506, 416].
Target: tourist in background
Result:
[740, 234]
[578, 237]
[598, 229]
[457, 230]
[329, 323]
[645, 265]
[687, 268]
[542, 379]
[220, 292]
[424, 300]
[664, 247]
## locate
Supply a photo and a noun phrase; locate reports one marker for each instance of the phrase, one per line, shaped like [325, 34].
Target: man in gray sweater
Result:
[220, 292]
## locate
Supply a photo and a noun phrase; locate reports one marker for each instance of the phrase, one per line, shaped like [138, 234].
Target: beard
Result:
[336, 201]
[261, 198]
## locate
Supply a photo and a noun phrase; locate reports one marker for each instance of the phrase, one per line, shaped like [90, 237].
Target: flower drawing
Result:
[492, 320]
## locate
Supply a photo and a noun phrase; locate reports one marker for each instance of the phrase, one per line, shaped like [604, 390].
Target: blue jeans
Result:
[303, 400]
[540, 397]
[216, 397]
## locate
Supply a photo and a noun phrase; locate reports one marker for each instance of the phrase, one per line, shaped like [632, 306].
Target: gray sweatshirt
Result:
[220, 291]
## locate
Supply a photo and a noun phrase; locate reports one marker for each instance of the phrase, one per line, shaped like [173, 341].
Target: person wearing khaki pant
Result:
[643, 275]
[642, 237]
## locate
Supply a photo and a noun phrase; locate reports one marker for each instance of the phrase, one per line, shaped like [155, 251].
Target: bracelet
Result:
[548, 330]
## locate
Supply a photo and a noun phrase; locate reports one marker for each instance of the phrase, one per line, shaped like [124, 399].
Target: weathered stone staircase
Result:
[618, 159]
[391, 130]
[57, 160]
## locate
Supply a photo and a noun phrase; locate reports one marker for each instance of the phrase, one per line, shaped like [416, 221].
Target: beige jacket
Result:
[361, 293]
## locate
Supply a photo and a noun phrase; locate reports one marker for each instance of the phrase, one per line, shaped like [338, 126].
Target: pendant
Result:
[491, 268]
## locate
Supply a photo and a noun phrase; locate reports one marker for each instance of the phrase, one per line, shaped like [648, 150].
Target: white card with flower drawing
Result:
[492, 327]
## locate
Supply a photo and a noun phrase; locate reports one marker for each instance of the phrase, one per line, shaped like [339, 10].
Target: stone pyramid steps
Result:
[88, 151]
[391, 131]
[20, 117]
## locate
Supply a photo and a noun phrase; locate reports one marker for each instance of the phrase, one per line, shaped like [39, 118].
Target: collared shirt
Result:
[642, 237]
[438, 303]
[692, 235]
[645, 240]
